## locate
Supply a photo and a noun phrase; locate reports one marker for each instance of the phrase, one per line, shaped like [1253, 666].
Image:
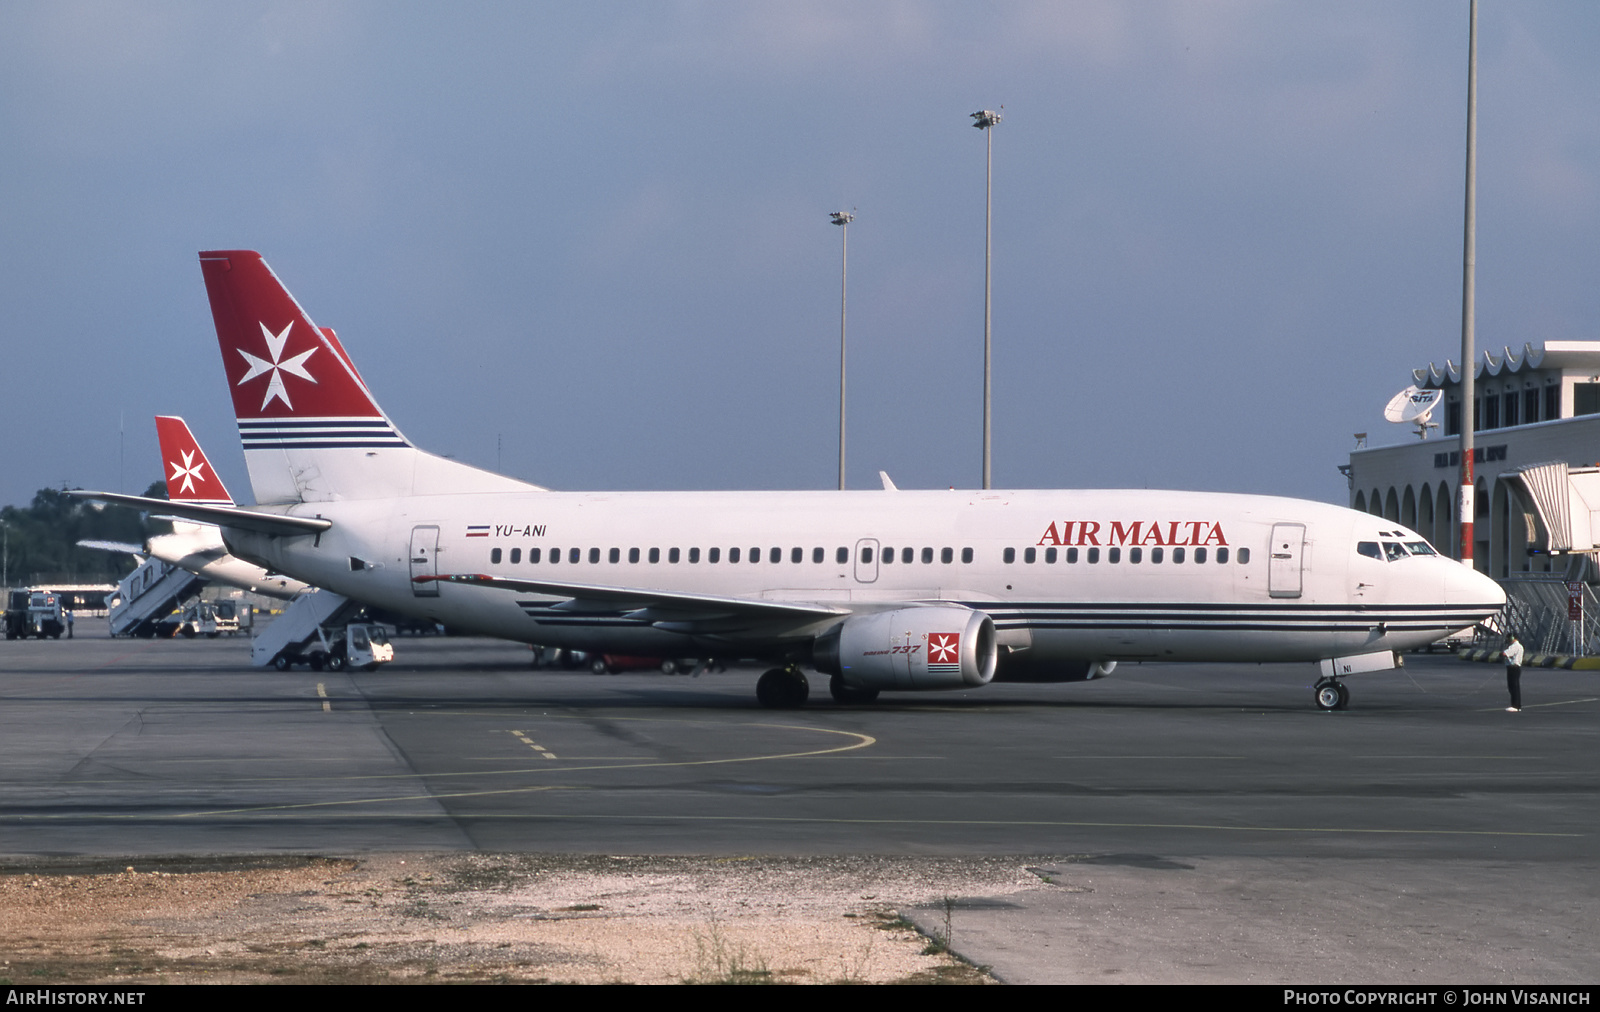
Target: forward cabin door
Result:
[424, 560]
[1284, 561]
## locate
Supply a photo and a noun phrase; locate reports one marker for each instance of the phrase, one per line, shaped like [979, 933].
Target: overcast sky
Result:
[591, 241]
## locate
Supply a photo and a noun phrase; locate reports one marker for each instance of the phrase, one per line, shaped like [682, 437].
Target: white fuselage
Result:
[199, 549]
[1114, 590]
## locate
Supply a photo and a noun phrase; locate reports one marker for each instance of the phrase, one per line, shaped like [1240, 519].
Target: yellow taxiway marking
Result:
[520, 736]
[322, 691]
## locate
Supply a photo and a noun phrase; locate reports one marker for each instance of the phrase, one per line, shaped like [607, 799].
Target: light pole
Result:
[843, 220]
[986, 120]
[1465, 505]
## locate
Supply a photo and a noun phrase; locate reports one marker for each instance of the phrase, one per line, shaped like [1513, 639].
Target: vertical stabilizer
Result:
[190, 476]
[311, 429]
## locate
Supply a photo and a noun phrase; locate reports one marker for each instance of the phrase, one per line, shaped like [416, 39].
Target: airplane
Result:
[198, 547]
[880, 590]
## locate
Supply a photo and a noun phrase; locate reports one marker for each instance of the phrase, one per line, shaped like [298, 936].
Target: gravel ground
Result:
[483, 917]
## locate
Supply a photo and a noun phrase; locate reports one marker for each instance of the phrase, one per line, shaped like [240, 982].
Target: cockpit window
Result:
[1370, 549]
[1394, 550]
[1420, 548]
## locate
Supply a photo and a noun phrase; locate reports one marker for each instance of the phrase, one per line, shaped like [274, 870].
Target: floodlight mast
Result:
[986, 120]
[843, 220]
[1465, 506]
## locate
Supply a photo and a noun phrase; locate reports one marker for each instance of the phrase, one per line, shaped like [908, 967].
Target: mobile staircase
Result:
[147, 597]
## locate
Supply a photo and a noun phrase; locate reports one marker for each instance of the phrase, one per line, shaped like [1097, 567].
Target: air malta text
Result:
[1137, 532]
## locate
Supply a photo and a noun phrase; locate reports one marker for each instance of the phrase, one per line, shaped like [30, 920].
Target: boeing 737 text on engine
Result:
[881, 590]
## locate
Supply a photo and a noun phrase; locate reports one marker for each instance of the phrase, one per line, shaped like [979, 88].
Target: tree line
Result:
[39, 542]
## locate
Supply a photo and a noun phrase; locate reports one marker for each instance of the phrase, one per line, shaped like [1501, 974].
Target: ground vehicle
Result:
[612, 664]
[363, 645]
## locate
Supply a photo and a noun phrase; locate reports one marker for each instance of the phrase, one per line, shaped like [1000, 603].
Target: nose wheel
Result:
[1332, 694]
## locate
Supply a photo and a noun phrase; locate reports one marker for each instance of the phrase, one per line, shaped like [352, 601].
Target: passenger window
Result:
[888, 556]
[574, 555]
[755, 555]
[633, 555]
[1113, 555]
[516, 555]
[1049, 555]
[1072, 555]
[966, 555]
[672, 556]
[713, 555]
[927, 556]
[842, 555]
[594, 556]
[1029, 555]
[733, 555]
[1155, 555]
[1370, 549]
[494, 553]
[1177, 556]
[906, 555]
[797, 555]
[655, 556]
[1094, 555]
[555, 556]
[615, 555]
[1244, 556]
[866, 555]
[1009, 555]
[1199, 555]
[1135, 554]
[533, 555]
[947, 555]
[817, 555]
[1222, 555]
[775, 556]
[694, 555]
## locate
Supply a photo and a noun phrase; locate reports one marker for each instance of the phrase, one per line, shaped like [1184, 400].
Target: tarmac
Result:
[1186, 822]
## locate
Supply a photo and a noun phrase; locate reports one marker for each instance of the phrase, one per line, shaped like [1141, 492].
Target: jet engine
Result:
[936, 647]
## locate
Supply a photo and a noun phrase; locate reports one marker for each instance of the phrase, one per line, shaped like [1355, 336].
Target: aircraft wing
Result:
[664, 608]
[114, 546]
[222, 516]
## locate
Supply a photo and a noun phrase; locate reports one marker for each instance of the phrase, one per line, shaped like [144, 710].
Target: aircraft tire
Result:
[844, 692]
[783, 689]
[1330, 695]
[1344, 696]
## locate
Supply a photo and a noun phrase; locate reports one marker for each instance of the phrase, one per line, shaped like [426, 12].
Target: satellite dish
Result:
[1414, 405]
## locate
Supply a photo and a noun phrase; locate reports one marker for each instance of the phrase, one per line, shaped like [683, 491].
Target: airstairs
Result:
[147, 597]
[306, 623]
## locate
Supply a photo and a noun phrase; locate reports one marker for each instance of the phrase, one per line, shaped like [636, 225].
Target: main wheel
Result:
[1344, 696]
[783, 689]
[844, 692]
[1330, 695]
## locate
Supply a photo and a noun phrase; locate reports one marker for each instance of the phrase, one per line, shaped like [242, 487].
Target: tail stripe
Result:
[318, 433]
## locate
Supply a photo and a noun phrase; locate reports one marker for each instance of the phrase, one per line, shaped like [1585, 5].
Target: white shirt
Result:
[1514, 653]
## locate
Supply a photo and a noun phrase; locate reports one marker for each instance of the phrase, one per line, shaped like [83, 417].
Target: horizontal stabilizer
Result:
[633, 598]
[221, 516]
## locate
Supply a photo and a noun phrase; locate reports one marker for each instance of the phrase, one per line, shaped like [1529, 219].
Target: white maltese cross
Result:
[189, 471]
[277, 366]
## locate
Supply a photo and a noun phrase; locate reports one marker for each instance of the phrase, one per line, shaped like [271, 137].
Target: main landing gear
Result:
[1332, 694]
[783, 689]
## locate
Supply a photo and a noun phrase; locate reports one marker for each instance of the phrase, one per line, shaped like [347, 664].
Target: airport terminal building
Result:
[1536, 415]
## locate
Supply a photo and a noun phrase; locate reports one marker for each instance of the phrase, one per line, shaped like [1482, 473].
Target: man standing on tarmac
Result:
[1513, 655]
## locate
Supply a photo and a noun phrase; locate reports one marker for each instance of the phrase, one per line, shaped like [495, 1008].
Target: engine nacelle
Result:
[937, 647]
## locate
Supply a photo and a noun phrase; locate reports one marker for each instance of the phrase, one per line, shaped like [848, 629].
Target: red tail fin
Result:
[190, 477]
[279, 364]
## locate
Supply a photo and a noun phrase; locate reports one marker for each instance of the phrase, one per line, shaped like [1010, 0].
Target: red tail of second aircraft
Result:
[190, 477]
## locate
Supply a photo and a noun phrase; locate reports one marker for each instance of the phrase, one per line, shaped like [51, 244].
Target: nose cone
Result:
[1464, 585]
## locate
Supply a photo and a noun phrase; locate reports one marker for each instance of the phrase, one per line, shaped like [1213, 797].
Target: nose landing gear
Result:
[1331, 694]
